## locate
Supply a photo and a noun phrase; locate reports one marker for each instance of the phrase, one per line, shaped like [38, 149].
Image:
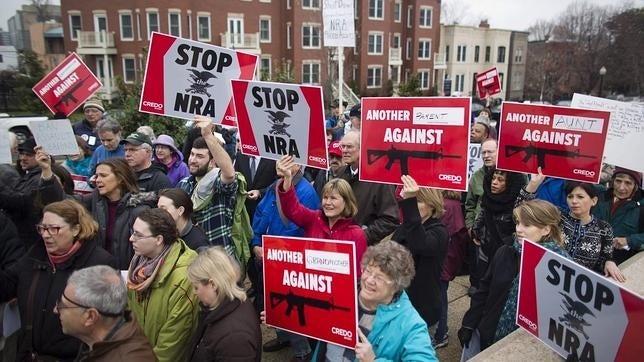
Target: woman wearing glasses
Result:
[159, 291]
[39, 278]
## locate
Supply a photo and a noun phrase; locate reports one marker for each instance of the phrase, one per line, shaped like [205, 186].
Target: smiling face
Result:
[580, 202]
[332, 205]
[199, 162]
[57, 234]
[375, 287]
[163, 153]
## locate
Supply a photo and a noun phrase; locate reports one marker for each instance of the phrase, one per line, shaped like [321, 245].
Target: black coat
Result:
[228, 333]
[11, 248]
[22, 206]
[427, 243]
[34, 274]
[265, 175]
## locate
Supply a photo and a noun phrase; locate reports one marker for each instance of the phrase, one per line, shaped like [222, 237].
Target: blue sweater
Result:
[102, 153]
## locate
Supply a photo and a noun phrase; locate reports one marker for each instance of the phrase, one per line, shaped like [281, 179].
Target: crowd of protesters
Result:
[185, 229]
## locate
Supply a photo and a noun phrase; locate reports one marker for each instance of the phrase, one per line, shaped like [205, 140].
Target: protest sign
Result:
[565, 142]
[67, 86]
[55, 136]
[572, 309]
[625, 132]
[338, 23]
[277, 119]
[488, 83]
[475, 161]
[310, 288]
[184, 78]
[426, 138]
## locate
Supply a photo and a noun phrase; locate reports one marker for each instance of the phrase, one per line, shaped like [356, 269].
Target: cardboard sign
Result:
[5, 148]
[277, 119]
[488, 83]
[565, 142]
[310, 288]
[338, 23]
[55, 136]
[67, 86]
[184, 78]
[625, 132]
[572, 309]
[475, 161]
[426, 138]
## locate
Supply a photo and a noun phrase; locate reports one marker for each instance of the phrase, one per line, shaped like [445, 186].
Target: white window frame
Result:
[123, 13]
[423, 20]
[310, 64]
[149, 12]
[424, 75]
[201, 15]
[133, 59]
[176, 12]
[410, 16]
[269, 58]
[312, 26]
[427, 51]
[377, 50]
[393, 42]
[461, 53]
[397, 4]
[408, 49]
[71, 14]
[379, 6]
[268, 19]
[374, 68]
[459, 83]
[289, 35]
[311, 4]
[288, 4]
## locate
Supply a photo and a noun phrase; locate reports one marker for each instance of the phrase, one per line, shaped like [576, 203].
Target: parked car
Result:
[19, 126]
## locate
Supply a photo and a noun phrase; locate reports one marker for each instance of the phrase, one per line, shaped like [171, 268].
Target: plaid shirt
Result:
[217, 219]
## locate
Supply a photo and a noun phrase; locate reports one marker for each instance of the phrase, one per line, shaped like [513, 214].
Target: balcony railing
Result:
[439, 61]
[395, 55]
[95, 39]
[240, 41]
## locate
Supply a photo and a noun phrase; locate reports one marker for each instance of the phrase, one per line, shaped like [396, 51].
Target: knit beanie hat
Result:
[94, 103]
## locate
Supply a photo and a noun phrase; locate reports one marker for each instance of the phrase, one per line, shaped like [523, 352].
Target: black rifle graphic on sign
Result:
[299, 302]
[69, 95]
[199, 82]
[532, 150]
[278, 123]
[393, 154]
[574, 314]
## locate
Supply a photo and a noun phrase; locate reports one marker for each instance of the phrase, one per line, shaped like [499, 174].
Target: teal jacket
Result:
[625, 220]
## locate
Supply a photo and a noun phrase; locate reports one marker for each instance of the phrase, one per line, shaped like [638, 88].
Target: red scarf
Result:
[59, 259]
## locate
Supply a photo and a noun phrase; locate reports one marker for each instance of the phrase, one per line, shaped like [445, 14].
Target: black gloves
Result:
[464, 336]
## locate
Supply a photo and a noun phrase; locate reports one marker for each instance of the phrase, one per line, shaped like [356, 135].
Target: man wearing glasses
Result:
[92, 309]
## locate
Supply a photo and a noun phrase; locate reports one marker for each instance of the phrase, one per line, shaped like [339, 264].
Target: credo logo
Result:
[454, 178]
[584, 172]
[250, 147]
[230, 118]
[342, 332]
[157, 106]
[318, 159]
[530, 323]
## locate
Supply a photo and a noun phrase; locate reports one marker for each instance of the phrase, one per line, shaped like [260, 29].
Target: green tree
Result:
[284, 73]
[411, 88]
[30, 72]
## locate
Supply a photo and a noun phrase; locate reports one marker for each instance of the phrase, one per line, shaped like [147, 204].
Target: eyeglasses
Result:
[380, 280]
[61, 306]
[51, 229]
[138, 236]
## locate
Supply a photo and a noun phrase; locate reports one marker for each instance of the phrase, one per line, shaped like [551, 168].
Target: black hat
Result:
[355, 111]
[336, 103]
[27, 146]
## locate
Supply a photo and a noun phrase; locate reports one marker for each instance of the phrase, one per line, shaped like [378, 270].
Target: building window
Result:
[310, 4]
[460, 83]
[501, 76]
[423, 77]
[288, 4]
[461, 53]
[374, 46]
[408, 49]
[310, 73]
[310, 36]
[397, 10]
[374, 76]
[74, 25]
[447, 53]
[265, 67]
[203, 24]
[354, 73]
[395, 41]
[424, 49]
[518, 55]
[487, 54]
[153, 22]
[289, 31]
[477, 50]
[129, 71]
[174, 21]
[127, 32]
[425, 17]
[410, 16]
[376, 9]
[265, 29]
[500, 56]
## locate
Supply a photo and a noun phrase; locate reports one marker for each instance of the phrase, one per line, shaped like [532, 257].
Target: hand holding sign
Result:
[535, 181]
[410, 187]
[284, 169]
[612, 271]
[364, 350]
[44, 161]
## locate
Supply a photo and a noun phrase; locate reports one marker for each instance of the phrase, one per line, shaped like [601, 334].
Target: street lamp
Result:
[602, 73]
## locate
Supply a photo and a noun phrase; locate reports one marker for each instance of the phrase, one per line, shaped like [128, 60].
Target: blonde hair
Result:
[75, 214]
[345, 191]
[542, 214]
[213, 265]
[432, 198]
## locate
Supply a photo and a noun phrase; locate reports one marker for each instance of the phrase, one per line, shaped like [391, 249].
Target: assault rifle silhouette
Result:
[532, 150]
[299, 302]
[393, 154]
[69, 95]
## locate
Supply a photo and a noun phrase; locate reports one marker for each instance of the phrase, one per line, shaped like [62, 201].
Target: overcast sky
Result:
[503, 14]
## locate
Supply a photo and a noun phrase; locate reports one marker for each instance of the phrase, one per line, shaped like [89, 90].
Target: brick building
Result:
[394, 38]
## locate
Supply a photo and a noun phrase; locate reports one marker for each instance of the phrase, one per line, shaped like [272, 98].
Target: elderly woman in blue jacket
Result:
[390, 329]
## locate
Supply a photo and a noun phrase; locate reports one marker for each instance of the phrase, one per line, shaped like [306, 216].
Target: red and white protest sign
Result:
[565, 142]
[488, 83]
[426, 138]
[575, 310]
[184, 78]
[277, 119]
[310, 288]
[67, 86]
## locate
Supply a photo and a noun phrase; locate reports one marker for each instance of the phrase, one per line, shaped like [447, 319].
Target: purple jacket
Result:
[177, 170]
[455, 224]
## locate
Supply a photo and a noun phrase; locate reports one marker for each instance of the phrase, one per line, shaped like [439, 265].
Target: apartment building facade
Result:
[394, 38]
[470, 50]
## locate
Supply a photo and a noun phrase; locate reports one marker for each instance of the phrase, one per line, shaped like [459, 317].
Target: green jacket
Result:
[242, 231]
[168, 316]
[474, 196]
[625, 220]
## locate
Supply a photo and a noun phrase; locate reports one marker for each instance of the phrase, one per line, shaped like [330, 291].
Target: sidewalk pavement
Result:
[459, 302]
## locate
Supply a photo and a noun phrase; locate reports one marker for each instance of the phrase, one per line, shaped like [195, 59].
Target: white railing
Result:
[240, 41]
[439, 61]
[95, 39]
[395, 54]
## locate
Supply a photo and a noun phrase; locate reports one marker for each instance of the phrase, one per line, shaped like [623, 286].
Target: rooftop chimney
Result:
[484, 24]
